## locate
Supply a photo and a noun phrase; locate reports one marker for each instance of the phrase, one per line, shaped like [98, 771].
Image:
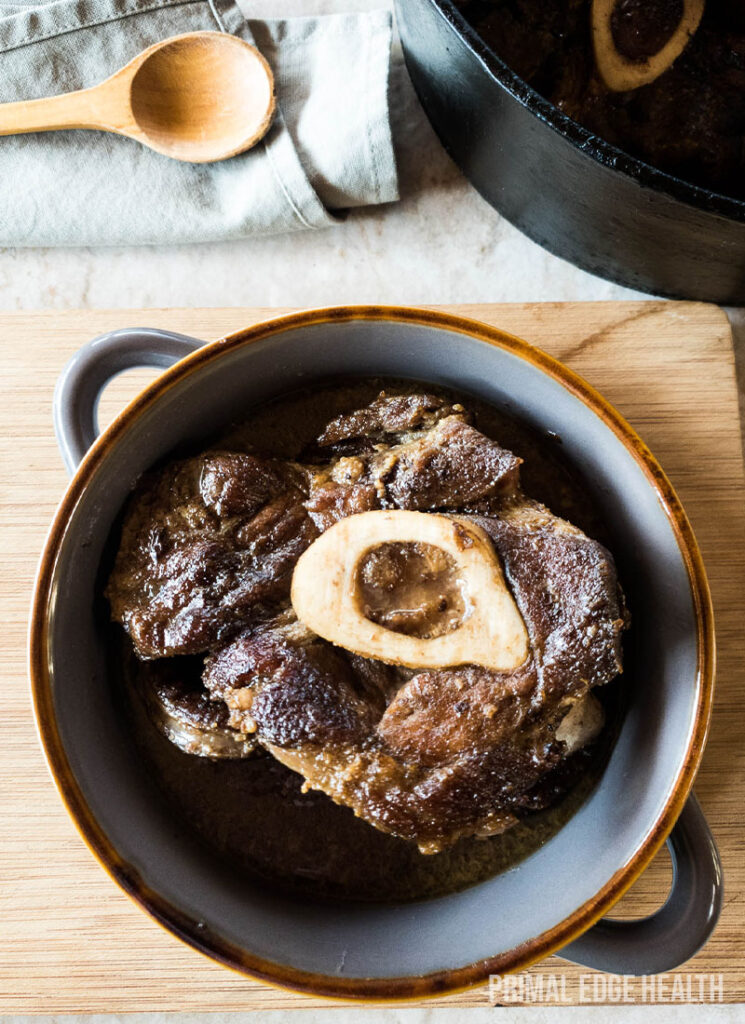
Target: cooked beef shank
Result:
[186, 715]
[207, 544]
[389, 419]
[448, 465]
[435, 755]
[205, 564]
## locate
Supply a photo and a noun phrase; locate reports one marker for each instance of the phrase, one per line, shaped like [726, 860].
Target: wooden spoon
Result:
[199, 97]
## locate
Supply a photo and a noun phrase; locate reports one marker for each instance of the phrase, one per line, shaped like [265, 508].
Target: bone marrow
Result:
[411, 587]
[373, 600]
[641, 29]
[326, 596]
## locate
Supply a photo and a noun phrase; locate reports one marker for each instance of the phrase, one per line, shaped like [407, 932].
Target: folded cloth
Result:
[328, 149]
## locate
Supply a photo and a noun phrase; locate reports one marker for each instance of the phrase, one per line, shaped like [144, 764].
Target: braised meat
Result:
[435, 755]
[207, 544]
[448, 465]
[689, 121]
[208, 550]
[388, 419]
[182, 710]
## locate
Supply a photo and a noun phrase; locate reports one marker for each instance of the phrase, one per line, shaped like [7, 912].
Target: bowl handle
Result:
[89, 371]
[666, 939]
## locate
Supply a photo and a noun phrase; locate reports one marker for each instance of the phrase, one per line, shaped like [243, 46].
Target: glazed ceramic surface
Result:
[382, 950]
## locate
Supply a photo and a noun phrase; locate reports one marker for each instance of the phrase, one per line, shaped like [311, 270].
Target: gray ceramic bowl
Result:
[550, 900]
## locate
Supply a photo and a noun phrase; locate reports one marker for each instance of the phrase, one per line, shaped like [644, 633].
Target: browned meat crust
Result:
[297, 688]
[207, 543]
[389, 418]
[449, 465]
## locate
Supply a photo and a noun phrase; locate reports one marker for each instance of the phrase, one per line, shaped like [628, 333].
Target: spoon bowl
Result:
[199, 98]
[202, 97]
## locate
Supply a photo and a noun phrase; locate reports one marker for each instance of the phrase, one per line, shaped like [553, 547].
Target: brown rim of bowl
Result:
[382, 989]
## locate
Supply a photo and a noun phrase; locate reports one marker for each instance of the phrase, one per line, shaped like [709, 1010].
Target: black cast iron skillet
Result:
[570, 191]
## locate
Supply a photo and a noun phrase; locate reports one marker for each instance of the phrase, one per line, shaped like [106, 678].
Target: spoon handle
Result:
[70, 110]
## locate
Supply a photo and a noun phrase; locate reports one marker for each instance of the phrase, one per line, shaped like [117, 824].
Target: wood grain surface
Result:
[70, 941]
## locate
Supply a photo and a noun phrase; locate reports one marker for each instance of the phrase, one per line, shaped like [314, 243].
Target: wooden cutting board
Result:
[70, 941]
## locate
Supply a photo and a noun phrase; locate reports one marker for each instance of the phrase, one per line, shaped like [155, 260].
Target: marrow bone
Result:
[326, 595]
[621, 73]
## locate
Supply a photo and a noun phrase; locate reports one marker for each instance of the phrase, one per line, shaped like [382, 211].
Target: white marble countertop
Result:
[440, 244]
